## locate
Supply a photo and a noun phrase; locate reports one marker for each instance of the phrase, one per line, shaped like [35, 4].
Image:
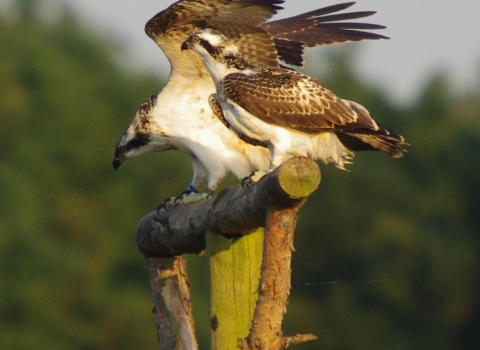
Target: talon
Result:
[178, 199]
[245, 181]
[248, 181]
[160, 207]
[165, 205]
[166, 201]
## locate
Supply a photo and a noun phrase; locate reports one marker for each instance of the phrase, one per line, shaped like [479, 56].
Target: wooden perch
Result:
[235, 211]
[272, 203]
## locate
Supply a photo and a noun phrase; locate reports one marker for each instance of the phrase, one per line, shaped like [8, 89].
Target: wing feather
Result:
[295, 101]
[383, 139]
[316, 28]
[243, 22]
[239, 20]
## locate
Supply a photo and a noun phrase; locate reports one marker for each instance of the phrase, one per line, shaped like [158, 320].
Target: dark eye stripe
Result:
[213, 51]
[138, 141]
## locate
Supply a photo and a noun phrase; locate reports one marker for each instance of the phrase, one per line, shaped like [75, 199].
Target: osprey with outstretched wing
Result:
[293, 114]
[179, 116]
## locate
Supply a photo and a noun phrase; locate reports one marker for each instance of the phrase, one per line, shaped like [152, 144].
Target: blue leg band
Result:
[190, 189]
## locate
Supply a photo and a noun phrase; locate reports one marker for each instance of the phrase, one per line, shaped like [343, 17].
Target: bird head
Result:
[220, 56]
[209, 41]
[143, 136]
[131, 145]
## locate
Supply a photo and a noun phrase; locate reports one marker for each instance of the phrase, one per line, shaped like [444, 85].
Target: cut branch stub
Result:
[171, 300]
[235, 211]
[300, 178]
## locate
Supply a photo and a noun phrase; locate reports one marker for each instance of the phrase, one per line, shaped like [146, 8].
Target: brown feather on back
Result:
[292, 100]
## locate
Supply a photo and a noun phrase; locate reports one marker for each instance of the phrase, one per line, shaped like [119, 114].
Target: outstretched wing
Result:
[294, 101]
[239, 20]
[243, 22]
[319, 27]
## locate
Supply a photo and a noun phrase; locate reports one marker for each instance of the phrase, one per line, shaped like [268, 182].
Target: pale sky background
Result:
[427, 36]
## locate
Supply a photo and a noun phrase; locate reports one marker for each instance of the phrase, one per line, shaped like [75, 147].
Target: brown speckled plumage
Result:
[181, 118]
[143, 114]
[243, 22]
[292, 100]
[284, 98]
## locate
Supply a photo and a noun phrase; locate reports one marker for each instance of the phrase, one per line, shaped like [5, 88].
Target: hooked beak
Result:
[116, 163]
[185, 45]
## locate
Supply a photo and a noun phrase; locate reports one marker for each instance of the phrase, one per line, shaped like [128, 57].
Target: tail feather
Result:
[383, 140]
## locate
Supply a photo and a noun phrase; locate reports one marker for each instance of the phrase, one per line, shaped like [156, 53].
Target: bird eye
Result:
[121, 149]
[195, 39]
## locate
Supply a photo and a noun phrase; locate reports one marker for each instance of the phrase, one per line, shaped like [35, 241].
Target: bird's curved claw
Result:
[160, 207]
[246, 182]
[253, 178]
[178, 200]
[166, 205]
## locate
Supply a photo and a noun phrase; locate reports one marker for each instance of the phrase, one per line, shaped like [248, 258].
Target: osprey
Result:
[293, 114]
[179, 117]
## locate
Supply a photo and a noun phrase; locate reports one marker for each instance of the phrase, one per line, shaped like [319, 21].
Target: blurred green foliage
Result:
[387, 254]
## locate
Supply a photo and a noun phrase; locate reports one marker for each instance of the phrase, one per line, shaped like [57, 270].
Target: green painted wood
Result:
[234, 276]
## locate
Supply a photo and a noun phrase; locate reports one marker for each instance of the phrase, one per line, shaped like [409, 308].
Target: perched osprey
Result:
[179, 117]
[293, 114]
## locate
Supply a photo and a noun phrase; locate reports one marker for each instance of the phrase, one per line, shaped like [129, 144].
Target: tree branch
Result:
[171, 299]
[235, 211]
[274, 286]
